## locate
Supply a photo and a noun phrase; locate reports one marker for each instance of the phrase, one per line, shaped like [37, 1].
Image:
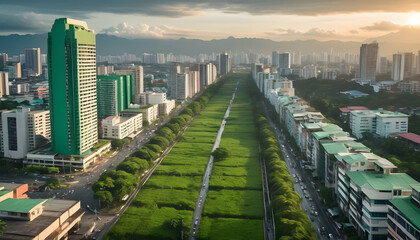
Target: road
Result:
[311, 202]
[269, 224]
[205, 184]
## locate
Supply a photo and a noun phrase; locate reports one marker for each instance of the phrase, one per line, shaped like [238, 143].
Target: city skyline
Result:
[276, 20]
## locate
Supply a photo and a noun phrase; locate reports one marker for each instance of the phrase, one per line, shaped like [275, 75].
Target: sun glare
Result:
[414, 19]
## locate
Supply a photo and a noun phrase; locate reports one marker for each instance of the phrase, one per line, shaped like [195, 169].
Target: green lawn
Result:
[174, 187]
[230, 228]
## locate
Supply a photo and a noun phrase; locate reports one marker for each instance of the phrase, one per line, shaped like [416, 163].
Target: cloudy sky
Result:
[348, 20]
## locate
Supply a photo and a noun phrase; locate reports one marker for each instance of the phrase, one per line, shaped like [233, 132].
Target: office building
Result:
[409, 64]
[381, 122]
[284, 63]
[182, 86]
[368, 61]
[137, 75]
[152, 98]
[73, 105]
[4, 84]
[121, 127]
[114, 94]
[3, 61]
[224, 63]
[275, 58]
[33, 61]
[14, 69]
[398, 67]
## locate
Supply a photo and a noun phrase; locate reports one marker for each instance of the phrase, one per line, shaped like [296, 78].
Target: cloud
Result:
[382, 26]
[29, 22]
[185, 8]
[150, 31]
[313, 33]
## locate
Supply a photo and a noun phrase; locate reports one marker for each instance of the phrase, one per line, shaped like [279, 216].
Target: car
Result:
[294, 175]
[296, 181]
[196, 222]
[316, 213]
[310, 199]
[330, 236]
[312, 212]
[306, 195]
[193, 233]
[301, 187]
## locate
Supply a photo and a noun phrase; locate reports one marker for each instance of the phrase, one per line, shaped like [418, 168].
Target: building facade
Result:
[33, 61]
[368, 61]
[224, 63]
[121, 127]
[72, 87]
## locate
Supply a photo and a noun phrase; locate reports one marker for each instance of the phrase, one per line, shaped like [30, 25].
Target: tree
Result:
[159, 140]
[3, 226]
[220, 154]
[117, 143]
[179, 224]
[188, 111]
[154, 147]
[53, 183]
[104, 196]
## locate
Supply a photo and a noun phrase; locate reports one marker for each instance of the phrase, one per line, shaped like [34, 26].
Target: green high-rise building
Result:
[114, 94]
[72, 87]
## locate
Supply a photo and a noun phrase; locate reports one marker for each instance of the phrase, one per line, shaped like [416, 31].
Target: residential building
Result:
[137, 75]
[33, 61]
[182, 87]
[368, 61]
[104, 69]
[175, 69]
[39, 128]
[383, 65]
[194, 83]
[275, 58]
[329, 75]
[4, 84]
[404, 216]
[114, 94]
[224, 63]
[150, 112]
[73, 105]
[121, 127]
[152, 98]
[166, 107]
[370, 193]
[398, 67]
[24, 130]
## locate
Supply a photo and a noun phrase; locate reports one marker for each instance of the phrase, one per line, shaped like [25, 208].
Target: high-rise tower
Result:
[72, 87]
[368, 60]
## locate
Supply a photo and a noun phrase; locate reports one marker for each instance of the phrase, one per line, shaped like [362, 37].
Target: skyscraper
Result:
[409, 63]
[33, 61]
[3, 61]
[383, 67]
[137, 73]
[275, 58]
[398, 67]
[4, 84]
[284, 63]
[224, 63]
[175, 69]
[368, 60]
[72, 87]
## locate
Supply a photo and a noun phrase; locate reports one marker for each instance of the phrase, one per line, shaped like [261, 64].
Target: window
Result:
[397, 192]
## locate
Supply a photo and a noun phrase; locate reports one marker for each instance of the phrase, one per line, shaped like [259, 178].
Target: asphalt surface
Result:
[205, 184]
[311, 202]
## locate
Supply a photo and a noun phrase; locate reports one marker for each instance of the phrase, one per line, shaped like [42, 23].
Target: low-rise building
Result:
[411, 138]
[38, 218]
[345, 112]
[121, 127]
[166, 107]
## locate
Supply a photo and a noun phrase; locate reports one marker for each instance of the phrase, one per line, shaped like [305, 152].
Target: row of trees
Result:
[112, 186]
[290, 219]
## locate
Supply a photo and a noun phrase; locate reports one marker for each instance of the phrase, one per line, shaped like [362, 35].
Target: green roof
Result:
[319, 135]
[410, 211]
[382, 182]
[358, 146]
[331, 128]
[311, 125]
[19, 205]
[416, 187]
[3, 192]
[334, 148]
[353, 158]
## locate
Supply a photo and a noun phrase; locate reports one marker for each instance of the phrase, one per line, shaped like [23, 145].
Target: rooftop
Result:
[355, 93]
[311, 126]
[382, 182]
[3, 192]
[410, 211]
[362, 157]
[351, 108]
[334, 148]
[19, 205]
[410, 136]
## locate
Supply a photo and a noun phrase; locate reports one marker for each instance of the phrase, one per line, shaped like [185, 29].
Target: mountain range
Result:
[404, 40]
